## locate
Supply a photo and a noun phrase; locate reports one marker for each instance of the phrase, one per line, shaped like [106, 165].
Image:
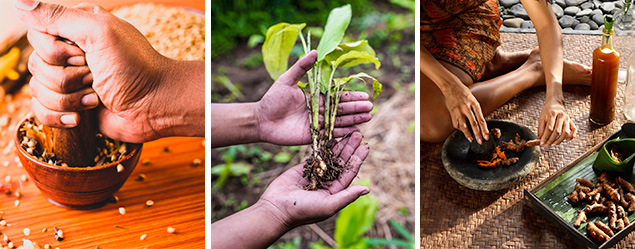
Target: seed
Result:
[47, 246]
[16, 203]
[7, 178]
[64, 165]
[119, 168]
[24, 178]
[143, 236]
[3, 223]
[27, 231]
[145, 161]
[59, 235]
[149, 203]
[5, 238]
[5, 164]
[171, 229]
[122, 211]
[166, 149]
[18, 194]
[114, 199]
[203, 143]
[196, 162]
[141, 177]
[16, 159]
[44, 230]
[10, 244]
[19, 164]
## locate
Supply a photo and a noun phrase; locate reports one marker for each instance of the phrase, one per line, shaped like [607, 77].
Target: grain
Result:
[122, 211]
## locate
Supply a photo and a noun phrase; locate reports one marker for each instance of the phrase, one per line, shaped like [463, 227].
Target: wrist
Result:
[278, 219]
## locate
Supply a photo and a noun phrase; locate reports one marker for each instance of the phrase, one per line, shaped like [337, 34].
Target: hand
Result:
[295, 206]
[112, 68]
[283, 115]
[555, 125]
[462, 104]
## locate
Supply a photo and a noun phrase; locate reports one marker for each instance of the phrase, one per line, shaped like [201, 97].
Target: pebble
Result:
[566, 21]
[561, 3]
[598, 18]
[508, 3]
[574, 2]
[594, 26]
[585, 19]
[583, 26]
[526, 25]
[519, 11]
[571, 10]
[557, 10]
[587, 5]
[607, 7]
[584, 12]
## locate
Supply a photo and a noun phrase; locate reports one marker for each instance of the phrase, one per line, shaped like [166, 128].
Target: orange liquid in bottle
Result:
[606, 66]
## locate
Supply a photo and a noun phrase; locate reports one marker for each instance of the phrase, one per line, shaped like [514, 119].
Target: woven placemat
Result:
[453, 216]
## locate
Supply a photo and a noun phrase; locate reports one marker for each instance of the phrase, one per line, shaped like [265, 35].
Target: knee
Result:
[434, 132]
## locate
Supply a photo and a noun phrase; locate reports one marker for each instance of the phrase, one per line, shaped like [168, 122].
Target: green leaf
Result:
[343, 48]
[254, 40]
[402, 230]
[235, 169]
[336, 25]
[354, 58]
[278, 43]
[302, 85]
[355, 220]
[325, 74]
[318, 245]
[394, 242]
[360, 76]
[282, 157]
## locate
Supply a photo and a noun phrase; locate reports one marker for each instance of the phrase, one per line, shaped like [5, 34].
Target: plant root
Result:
[322, 167]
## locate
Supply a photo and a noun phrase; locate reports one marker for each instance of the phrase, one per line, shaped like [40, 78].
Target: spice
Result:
[114, 199]
[171, 230]
[3, 223]
[27, 231]
[16, 203]
[140, 177]
[7, 178]
[44, 230]
[10, 244]
[59, 234]
[149, 203]
[119, 168]
[24, 178]
[166, 149]
[145, 161]
[143, 236]
[196, 162]
[122, 211]
[47, 246]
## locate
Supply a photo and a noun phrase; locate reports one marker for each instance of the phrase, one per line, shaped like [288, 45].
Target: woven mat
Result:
[453, 216]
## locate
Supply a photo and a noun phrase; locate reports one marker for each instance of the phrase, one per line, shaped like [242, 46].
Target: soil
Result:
[389, 166]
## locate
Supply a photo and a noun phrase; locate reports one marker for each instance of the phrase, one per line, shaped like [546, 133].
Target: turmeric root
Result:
[627, 186]
[597, 208]
[581, 218]
[611, 192]
[596, 233]
[631, 199]
[612, 214]
[585, 182]
[605, 228]
[574, 197]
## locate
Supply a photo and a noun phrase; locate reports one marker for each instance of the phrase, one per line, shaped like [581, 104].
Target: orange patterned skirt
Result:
[463, 33]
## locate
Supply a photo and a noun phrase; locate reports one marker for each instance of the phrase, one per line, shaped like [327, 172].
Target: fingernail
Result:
[365, 192]
[87, 78]
[469, 139]
[486, 137]
[69, 119]
[26, 5]
[76, 61]
[480, 141]
[90, 100]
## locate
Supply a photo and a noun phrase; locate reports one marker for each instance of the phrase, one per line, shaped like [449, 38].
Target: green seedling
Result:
[322, 166]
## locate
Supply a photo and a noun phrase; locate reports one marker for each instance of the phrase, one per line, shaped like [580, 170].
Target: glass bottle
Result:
[629, 94]
[606, 65]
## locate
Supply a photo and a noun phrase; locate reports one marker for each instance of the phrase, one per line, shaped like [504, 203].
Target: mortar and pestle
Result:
[81, 185]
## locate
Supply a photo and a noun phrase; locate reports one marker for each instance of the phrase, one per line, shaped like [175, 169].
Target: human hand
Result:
[554, 125]
[112, 68]
[283, 114]
[462, 104]
[294, 206]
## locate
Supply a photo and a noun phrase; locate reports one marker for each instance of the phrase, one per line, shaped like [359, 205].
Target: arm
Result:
[554, 125]
[285, 205]
[459, 100]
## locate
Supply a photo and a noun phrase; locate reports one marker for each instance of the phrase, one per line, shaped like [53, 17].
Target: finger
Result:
[82, 99]
[340, 132]
[476, 130]
[353, 164]
[481, 120]
[295, 73]
[549, 123]
[352, 120]
[541, 129]
[74, 24]
[558, 128]
[59, 78]
[349, 148]
[341, 199]
[346, 108]
[462, 126]
[55, 51]
[566, 133]
[53, 118]
[574, 130]
[348, 96]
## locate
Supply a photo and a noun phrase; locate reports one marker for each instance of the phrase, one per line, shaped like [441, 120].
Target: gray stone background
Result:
[574, 16]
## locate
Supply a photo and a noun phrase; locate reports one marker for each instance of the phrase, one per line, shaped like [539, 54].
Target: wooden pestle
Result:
[76, 146]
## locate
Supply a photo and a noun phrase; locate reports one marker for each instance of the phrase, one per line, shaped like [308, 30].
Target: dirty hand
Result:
[295, 206]
[555, 125]
[282, 112]
[462, 104]
[112, 68]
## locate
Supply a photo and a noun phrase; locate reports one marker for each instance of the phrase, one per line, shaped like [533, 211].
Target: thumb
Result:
[295, 73]
[57, 20]
[341, 199]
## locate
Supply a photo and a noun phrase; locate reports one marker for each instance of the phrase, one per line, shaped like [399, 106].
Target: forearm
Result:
[431, 67]
[233, 123]
[258, 226]
[180, 99]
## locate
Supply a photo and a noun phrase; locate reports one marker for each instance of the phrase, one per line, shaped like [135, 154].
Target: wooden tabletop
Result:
[176, 187]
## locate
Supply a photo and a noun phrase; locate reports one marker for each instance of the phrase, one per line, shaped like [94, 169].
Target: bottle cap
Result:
[608, 22]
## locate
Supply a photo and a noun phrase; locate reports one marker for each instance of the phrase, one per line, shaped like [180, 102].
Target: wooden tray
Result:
[548, 200]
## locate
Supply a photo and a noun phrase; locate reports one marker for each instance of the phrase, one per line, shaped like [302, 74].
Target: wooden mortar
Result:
[76, 146]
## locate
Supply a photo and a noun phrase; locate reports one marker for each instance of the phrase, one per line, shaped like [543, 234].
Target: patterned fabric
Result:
[464, 33]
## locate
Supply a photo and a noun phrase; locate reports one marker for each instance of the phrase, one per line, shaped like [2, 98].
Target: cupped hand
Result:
[554, 124]
[462, 104]
[295, 206]
[110, 66]
[283, 114]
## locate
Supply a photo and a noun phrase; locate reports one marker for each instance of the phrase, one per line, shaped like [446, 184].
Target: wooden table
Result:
[176, 187]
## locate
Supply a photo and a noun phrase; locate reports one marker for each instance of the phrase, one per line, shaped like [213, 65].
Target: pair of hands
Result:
[554, 125]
